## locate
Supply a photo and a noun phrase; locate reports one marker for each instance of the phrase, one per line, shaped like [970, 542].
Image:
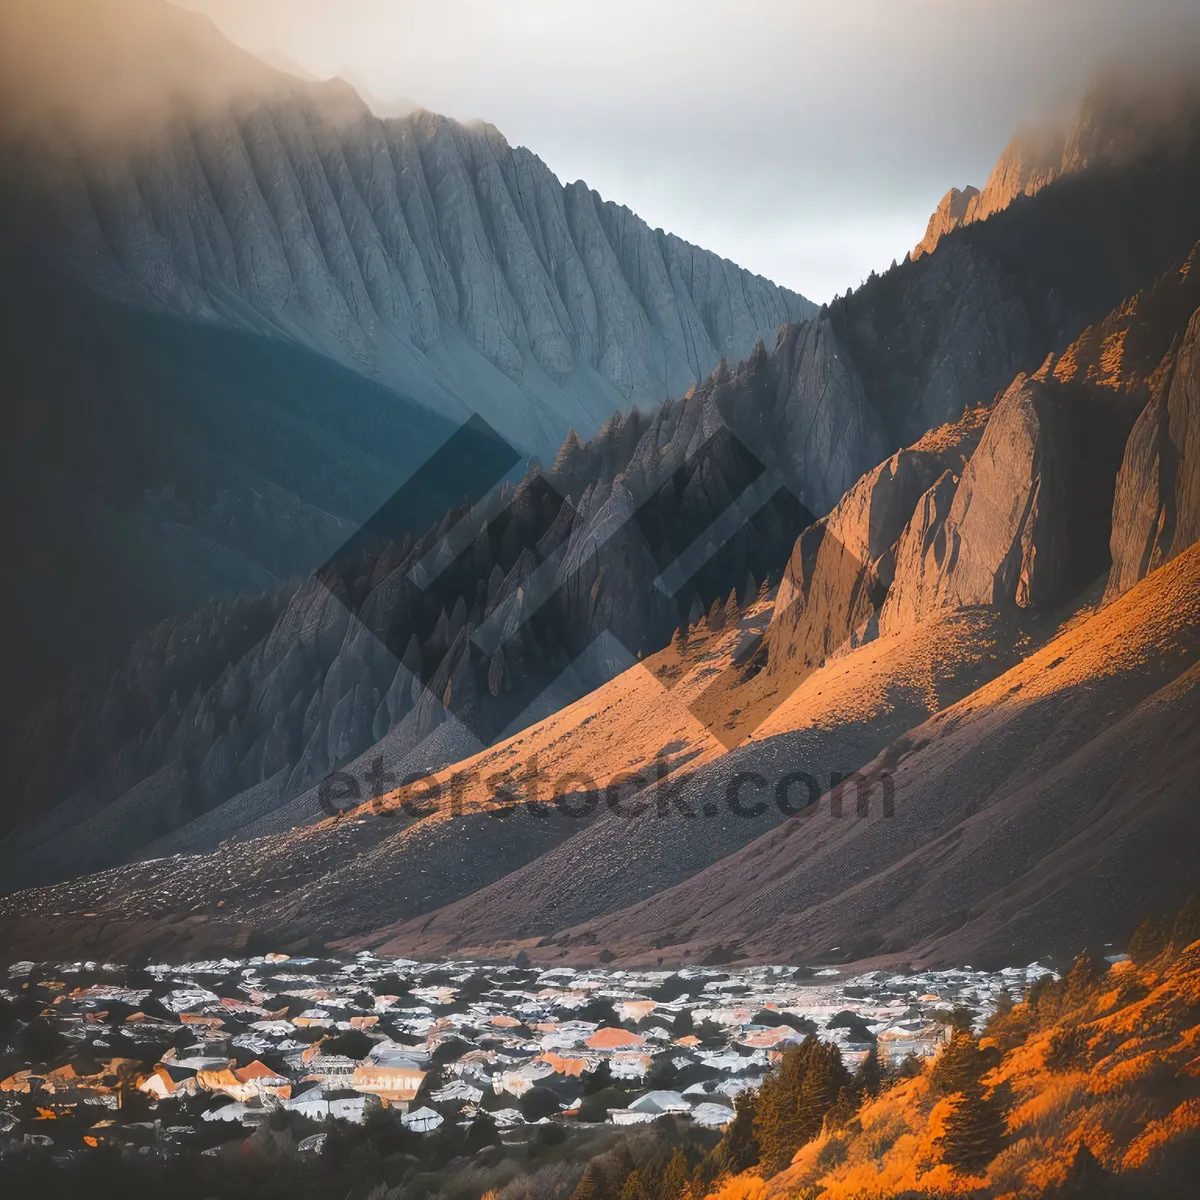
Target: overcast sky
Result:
[808, 141]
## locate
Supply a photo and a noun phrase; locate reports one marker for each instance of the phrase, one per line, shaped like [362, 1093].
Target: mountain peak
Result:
[1118, 122]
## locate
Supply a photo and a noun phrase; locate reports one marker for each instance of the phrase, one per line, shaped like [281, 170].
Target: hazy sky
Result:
[806, 140]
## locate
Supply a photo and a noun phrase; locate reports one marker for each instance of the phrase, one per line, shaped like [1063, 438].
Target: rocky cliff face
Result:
[1011, 506]
[657, 514]
[429, 255]
[842, 567]
[951, 212]
[1156, 514]
[1003, 537]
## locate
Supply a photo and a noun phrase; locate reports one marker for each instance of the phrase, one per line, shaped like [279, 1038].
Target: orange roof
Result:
[564, 1066]
[768, 1037]
[612, 1039]
[255, 1070]
[639, 1008]
[217, 1081]
[689, 1040]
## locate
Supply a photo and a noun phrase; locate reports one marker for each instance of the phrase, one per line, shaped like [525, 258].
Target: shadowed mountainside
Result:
[428, 255]
[800, 423]
[1008, 797]
[1007, 805]
[1012, 364]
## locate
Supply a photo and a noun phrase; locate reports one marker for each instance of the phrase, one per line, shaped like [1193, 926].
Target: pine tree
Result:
[843, 1110]
[1150, 939]
[439, 640]
[608, 445]
[590, 1186]
[869, 1077]
[1086, 1177]
[738, 1149]
[794, 1100]
[633, 1188]
[1187, 924]
[1079, 983]
[750, 590]
[732, 612]
[612, 1169]
[776, 1124]
[1068, 1048]
[571, 458]
[716, 615]
[675, 1176]
[960, 1065]
[975, 1132]
[823, 1082]
[458, 617]
[494, 583]
[696, 612]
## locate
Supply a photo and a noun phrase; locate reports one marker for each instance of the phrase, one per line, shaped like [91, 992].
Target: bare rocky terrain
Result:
[1035, 731]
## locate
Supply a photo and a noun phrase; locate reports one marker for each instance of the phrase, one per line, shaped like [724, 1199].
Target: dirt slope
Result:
[1055, 800]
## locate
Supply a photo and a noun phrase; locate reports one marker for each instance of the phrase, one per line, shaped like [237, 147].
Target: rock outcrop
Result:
[1029, 162]
[1114, 125]
[842, 567]
[1020, 521]
[951, 213]
[1024, 524]
[1156, 511]
[1018, 528]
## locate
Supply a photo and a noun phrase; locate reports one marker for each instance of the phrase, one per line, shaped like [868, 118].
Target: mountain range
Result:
[866, 632]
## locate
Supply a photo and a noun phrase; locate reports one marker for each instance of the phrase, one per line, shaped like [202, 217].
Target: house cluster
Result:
[168, 1055]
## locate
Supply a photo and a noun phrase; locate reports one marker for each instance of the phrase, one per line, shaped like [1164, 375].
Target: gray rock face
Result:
[425, 253]
[830, 432]
[1156, 509]
[1023, 525]
[1003, 538]
[976, 334]
[606, 574]
[841, 568]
